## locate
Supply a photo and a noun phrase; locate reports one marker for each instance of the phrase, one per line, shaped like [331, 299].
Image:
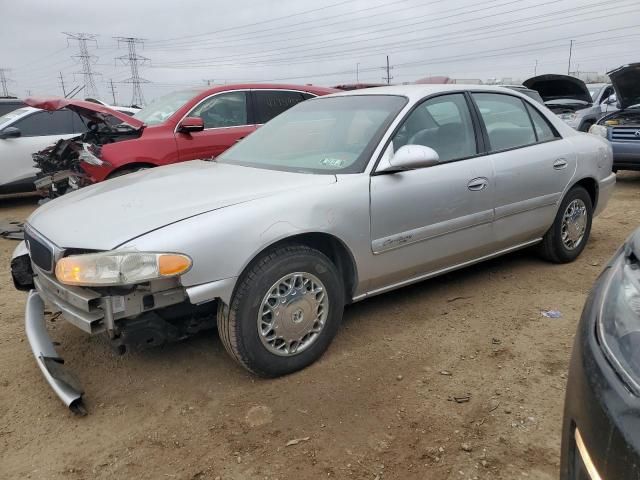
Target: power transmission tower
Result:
[388, 77]
[86, 60]
[64, 90]
[113, 91]
[3, 82]
[570, 52]
[133, 60]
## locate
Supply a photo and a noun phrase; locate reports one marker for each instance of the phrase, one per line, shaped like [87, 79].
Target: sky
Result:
[324, 42]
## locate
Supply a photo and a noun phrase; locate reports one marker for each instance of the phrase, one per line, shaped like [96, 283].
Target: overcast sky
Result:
[322, 42]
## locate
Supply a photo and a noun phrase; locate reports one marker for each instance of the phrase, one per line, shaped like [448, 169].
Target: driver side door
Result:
[227, 120]
[432, 218]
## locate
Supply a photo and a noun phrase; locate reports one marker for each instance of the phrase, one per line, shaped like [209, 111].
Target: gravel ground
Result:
[379, 404]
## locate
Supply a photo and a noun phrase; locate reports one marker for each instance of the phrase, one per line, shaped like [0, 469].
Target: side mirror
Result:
[190, 125]
[10, 132]
[611, 100]
[410, 157]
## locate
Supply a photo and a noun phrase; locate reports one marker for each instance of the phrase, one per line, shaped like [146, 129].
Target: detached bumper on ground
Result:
[63, 383]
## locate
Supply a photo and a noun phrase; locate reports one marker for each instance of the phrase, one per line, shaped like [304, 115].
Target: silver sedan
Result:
[337, 199]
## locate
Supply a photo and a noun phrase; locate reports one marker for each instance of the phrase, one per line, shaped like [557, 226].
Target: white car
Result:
[25, 131]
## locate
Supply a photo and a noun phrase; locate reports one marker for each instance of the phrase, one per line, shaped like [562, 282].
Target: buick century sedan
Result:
[339, 198]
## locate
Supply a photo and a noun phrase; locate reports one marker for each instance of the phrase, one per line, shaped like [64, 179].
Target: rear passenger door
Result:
[532, 164]
[268, 104]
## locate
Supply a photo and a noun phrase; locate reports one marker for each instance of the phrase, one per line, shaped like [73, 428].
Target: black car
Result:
[601, 432]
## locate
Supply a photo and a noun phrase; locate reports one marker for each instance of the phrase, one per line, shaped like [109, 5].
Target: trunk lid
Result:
[89, 110]
[626, 83]
[108, 214]
[559, 87]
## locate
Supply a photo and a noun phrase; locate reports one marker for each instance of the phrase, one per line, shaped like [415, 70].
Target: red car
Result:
[197, 123]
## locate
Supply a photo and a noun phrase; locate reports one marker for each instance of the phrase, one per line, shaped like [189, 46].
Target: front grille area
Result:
[40, 253]
[629, 134]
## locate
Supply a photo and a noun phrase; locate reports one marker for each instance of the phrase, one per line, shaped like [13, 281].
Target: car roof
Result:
[266, 86]
[418, 91]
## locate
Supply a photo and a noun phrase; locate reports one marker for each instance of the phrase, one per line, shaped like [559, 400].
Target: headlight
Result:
[619, 319]
[598, 130]
[119, 267]
[568, 116]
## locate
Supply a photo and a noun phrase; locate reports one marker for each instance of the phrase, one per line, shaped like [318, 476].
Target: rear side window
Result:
[544, 131]
[506, 120]
[270, 103]
[46, 123]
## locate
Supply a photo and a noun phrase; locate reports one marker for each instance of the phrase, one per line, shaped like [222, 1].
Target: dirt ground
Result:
[378, 405]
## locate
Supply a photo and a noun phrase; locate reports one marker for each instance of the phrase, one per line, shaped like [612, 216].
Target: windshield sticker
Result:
[332, 162]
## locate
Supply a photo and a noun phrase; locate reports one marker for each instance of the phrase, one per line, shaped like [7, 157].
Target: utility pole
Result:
[388, 77]
[86, 60]
[64, 91]
[3, 82]
[357, 72]
[208, 81]
[570, 53]
[133, 60]
[113, 91]
[535, 69]
[28, 93]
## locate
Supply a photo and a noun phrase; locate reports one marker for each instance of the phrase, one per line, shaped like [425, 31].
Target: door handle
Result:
[559, 164]
[478, 184]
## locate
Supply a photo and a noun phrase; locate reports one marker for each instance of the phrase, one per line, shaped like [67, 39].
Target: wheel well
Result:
[130, 166]
[591, 186]
[332, 247]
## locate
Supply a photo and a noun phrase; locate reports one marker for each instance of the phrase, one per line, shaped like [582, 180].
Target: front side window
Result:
[325, 135]
[442, 123]
[222, 110]
[44, 123]
[506, 120]
[271, 103]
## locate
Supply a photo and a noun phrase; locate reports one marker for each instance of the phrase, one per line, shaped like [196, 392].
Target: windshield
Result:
[593, 91]
[162, 108]
[324, 135]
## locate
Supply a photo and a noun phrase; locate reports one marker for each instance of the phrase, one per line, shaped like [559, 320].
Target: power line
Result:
[133, 60]
[86, 59]
[113, 91]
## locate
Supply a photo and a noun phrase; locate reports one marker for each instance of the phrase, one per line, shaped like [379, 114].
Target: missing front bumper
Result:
[64, 383]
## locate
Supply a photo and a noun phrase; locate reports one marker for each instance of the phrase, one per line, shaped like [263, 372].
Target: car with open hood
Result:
[339, 198]
[24, 131]
[569, 98]
[196, 123]
[622, 127]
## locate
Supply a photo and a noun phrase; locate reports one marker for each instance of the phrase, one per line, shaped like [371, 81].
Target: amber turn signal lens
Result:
[172, 264]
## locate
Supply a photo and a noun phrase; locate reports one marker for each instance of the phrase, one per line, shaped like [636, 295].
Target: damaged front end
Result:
[133, 317]
[60, 165]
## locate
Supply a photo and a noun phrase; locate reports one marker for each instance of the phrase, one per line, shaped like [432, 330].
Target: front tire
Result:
[568, 235]
[284, 313]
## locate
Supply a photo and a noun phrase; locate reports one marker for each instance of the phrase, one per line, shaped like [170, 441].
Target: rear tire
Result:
[284, 313]
[569, 234]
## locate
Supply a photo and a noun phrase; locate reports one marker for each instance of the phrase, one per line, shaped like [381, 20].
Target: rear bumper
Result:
[63, 383]
[605, 190]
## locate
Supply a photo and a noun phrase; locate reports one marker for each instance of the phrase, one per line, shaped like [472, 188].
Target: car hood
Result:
[556, 87]
[108, 214]
[89, 110]
[626, 83]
